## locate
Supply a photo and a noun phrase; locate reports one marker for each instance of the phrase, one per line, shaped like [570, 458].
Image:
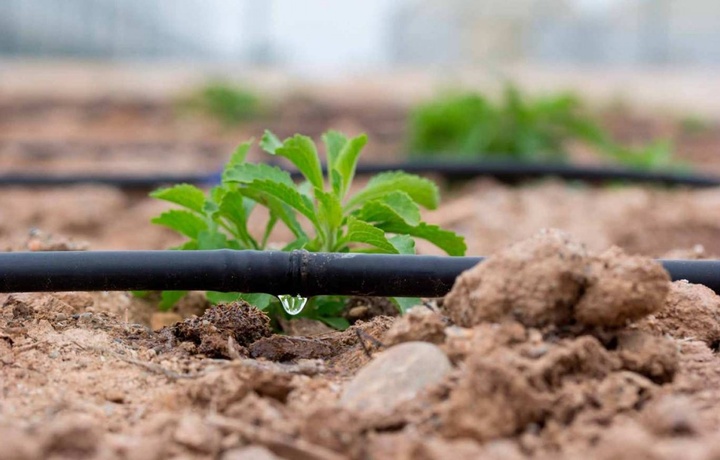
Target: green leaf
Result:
[212, 240]
[270, 142]
[269, 226]
[278, 208]
[347, 161]
[421, 190]
[275, 189]
[185, 195]
[405, 303]
[326, 305]
[362, 232]
[393, 206]
[191, 245]
[182, 221]
[297, 244]
[335, 322]
[336, 183]
[232, 207]
[329, 209]
[284, 193]
[450, 242]
[221, 297]
[301, 152]
[258, 300]
[334, 143]
[403, 243]
[239, 155]
[236, 208]
[168, 299]
[248, 172]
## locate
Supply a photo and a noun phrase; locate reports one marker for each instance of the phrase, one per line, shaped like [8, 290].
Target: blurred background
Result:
[358, 66]
[171, 86]
[340, 37]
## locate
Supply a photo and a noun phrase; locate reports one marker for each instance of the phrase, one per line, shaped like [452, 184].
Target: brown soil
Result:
[557, 349]
[554, 354]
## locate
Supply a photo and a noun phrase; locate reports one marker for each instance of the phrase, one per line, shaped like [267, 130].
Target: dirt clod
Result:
[418, 323]
[691, 311]
[72, 436]
[210, 332]
[620, 289]
[653, 356]
[193, 432]
[672, 416]
[282, 348]
[551, 280]
[491, 401]
[536, 281]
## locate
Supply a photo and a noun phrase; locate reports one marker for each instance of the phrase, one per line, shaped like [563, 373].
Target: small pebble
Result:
[396, 375]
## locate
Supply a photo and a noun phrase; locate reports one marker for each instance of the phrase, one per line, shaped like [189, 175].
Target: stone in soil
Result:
[396, 375]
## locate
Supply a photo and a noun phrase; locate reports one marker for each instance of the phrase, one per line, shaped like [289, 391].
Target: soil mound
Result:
[551, 280]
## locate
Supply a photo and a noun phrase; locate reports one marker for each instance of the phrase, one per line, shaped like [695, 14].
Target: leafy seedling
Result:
[228, 103]
[518, 128]
[320, 212]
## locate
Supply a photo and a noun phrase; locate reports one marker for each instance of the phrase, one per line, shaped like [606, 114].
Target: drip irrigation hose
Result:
[273, 272]
[511, 172]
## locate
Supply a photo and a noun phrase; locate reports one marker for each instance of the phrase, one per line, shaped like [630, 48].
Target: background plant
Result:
[229, 103]
[320, 212]
[519, 128]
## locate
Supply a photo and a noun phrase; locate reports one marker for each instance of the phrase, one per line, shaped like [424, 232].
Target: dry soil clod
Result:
[239, 320]
[550, 280]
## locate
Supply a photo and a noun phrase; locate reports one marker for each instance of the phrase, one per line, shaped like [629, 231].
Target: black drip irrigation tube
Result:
[510, 172]
[272, 272]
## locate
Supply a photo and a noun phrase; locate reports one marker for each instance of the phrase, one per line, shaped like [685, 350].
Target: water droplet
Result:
[292, 305]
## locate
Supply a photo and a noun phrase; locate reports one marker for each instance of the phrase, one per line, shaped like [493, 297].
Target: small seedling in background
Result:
[230, 104]
[653, 156]
[695, 125]
[518, 128]
[320, 212]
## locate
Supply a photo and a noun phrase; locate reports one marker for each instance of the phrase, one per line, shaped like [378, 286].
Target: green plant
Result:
[652, 156]
[228, 103]
[695, 125]
[518, 128]
[321, 213]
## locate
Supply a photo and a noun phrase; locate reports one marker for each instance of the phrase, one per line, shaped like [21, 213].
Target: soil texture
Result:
[546, 350]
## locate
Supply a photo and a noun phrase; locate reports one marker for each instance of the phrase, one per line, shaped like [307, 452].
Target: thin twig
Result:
[364, 335]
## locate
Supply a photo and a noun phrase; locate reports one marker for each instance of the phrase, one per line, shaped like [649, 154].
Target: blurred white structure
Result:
[344, 35]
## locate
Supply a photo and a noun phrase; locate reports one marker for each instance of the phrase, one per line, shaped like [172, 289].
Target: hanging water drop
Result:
[292, 305]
